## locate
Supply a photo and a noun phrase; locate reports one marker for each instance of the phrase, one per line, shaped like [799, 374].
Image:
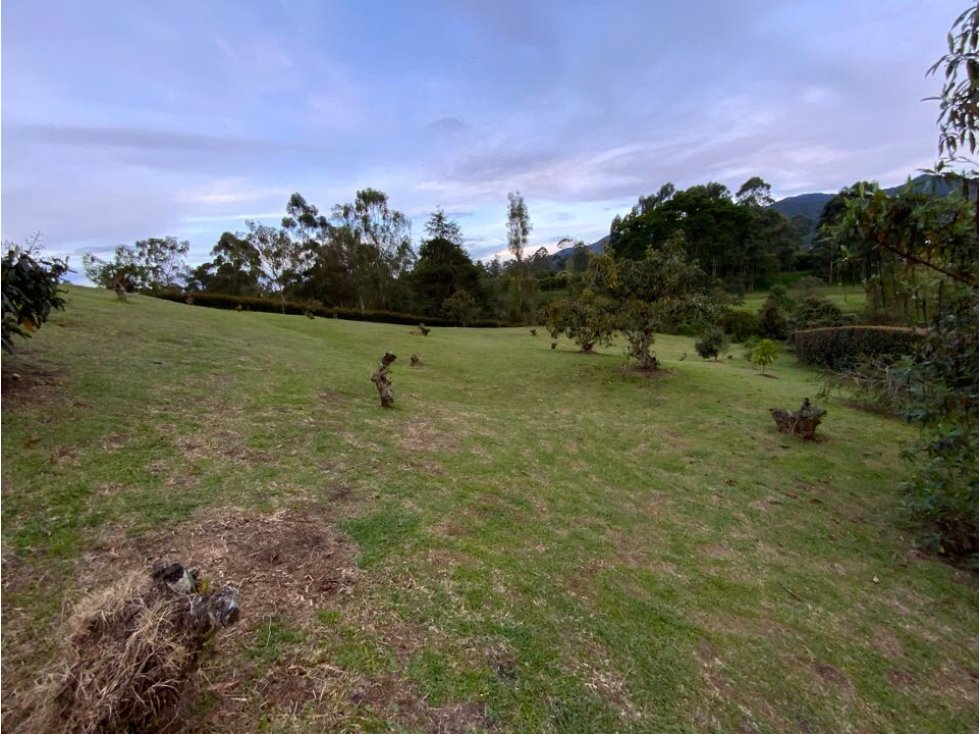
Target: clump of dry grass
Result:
[129, 652]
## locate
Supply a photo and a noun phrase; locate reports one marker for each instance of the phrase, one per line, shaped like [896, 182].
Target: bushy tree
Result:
[157, 263]
[30, 291]
[443, 268]
[815, 313]
[765, 353]
[711, 343]
[772, 321]
[235, 268]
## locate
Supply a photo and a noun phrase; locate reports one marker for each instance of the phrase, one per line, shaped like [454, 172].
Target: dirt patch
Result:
[281, 563]
[887, 643]
[397, 700]
[25, 382]
[831, 674]
[422, 435]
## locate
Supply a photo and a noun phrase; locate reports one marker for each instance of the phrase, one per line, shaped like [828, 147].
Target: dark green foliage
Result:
[772, 321]
[443, 269]
[743, 240]
[30, 292]
[711, 344]
[943, 385]
[740, 325]
[844, 346]
[814, 313]
[301, 308]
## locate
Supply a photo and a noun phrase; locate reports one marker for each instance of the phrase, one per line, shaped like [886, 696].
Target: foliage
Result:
[959, 100]
[764, 353]
[712, 343]
[740, 325]
[298, 308]
[745, 240]
[944, 400]
[518, 225]
[814, 312]
[460, 307]
[235, 268]
[156, 263]
[30, 291]
[843, 347]
[808, 286]
[772, 321]
[443, 268]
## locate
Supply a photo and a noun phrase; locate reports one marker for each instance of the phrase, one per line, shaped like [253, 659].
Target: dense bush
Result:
[772, 321]
[843, 346]
[739, 325]
[943, 380]
[268, 305]
[711, 343]
[815, 313]
[30, 293]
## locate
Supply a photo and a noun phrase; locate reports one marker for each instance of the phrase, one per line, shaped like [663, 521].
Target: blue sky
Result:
[127, 120]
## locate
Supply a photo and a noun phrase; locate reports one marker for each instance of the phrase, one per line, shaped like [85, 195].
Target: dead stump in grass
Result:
[553, 345]
[802, 423]
[423, 330]
[415, 360]
[382, 380]
[129, 652]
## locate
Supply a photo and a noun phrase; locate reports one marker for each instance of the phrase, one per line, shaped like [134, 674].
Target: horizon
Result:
[581, 109]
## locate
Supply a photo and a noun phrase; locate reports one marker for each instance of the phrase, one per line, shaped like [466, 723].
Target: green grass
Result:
[544, 542]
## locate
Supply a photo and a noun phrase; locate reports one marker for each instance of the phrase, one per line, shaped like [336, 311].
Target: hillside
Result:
[532, 540]
[811, 205]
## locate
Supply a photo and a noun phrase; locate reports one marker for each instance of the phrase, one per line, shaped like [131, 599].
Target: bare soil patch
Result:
[281, 563]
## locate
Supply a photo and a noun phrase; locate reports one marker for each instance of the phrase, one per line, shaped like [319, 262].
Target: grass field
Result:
[532, 541]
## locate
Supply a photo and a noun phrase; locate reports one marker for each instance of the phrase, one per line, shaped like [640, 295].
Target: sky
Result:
[128, 120]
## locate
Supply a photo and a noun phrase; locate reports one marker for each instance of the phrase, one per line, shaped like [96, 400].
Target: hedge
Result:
[271, 305]
[838, 347]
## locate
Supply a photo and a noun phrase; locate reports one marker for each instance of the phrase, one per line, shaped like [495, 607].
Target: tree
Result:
[30, 290]
[772, 321]
[156, 263]
[376, 242]
[764, 353]
[755, 192]
[662, 289]
[443, 268]
[518, 225]
[235, 267]
[276, 255]
[712, 343]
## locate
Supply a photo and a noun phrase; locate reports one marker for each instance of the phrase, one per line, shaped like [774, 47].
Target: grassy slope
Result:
[542, 540]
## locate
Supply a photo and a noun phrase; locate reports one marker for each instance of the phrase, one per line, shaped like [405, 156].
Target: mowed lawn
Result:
[533, 540]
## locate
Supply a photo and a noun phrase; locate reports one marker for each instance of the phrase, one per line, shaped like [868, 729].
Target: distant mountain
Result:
[811, 206]
[595, 247]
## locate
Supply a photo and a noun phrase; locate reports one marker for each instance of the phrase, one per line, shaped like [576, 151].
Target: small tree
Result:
[764, 353]
[772, 322]
[30, 291]
[712, 343]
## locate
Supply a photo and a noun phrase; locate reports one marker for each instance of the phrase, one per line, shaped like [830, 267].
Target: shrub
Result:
[844, 346]
[814, 313]
[808, 286]
[30, 293]
[711, 343]
[268, 305]
[740, 325]
[772, 322]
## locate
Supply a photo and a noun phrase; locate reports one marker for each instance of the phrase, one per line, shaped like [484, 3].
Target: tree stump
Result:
[533, 332]
[119, 286]
[802, 423]
[383, 381]
[553, 345]
[415, 360]
[423, 330]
